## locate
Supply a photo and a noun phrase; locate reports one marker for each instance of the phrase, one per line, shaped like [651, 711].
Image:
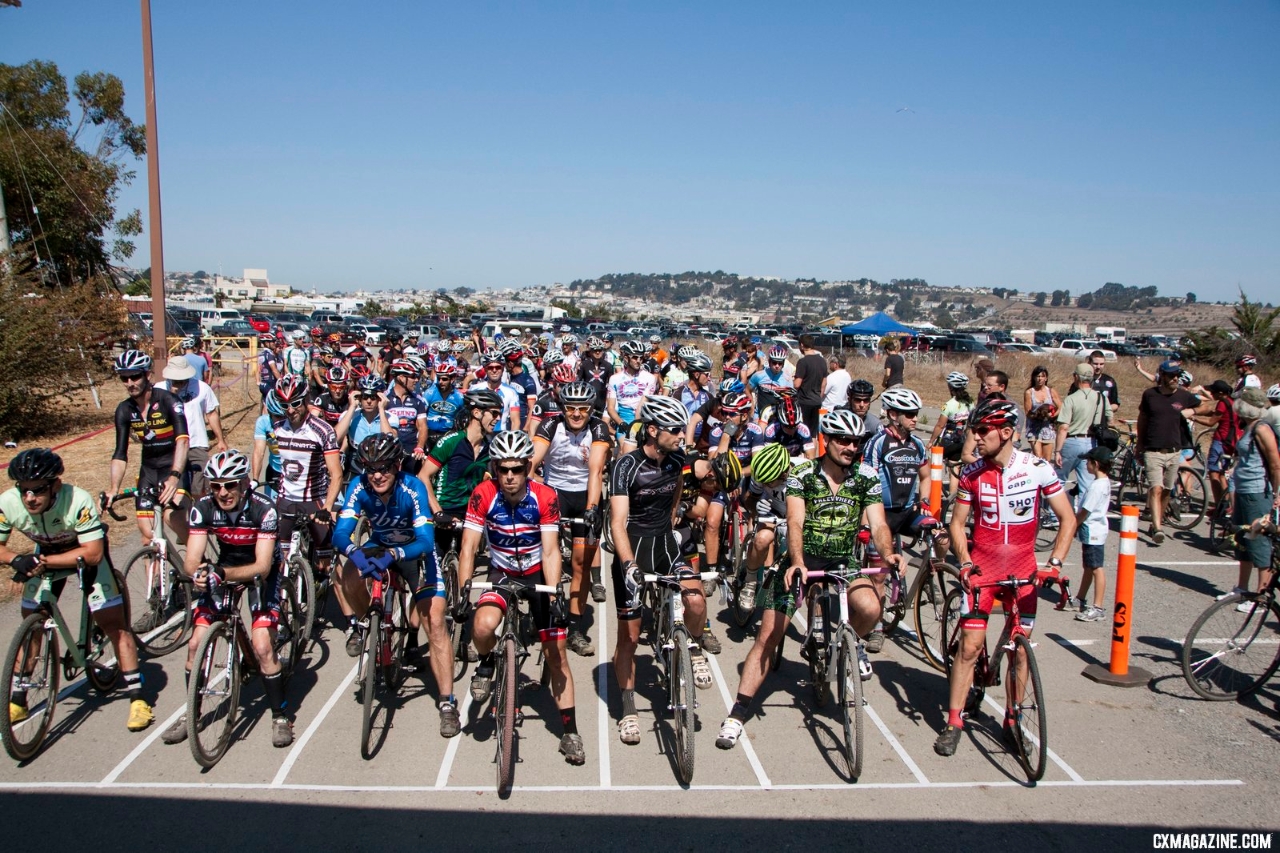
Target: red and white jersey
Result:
[302, 453]
[514, 530]
[1005, 503]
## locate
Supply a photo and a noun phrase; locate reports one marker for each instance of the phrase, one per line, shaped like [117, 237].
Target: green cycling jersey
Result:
[72, 520]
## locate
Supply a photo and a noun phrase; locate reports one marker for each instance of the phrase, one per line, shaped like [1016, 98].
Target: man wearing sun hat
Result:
[203, 420]
[1256, 483]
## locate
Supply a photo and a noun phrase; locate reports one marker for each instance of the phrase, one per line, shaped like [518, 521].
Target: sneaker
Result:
[450, 725]
[709, 642]
[176, 733]
[17, 713]
[730, 731]
[140, 715]
[597, 593]
[875, 642]
[1157, 536]
[281, 732]
[481, 684]
[864, 664]
[572, 749]
[146, 622]
[1235, 590]
[580, 645]
[701, 672]
[1091, 614]
[1247, 606]
[629, 730]
[355, 643]
[747, 596]
[948, 741]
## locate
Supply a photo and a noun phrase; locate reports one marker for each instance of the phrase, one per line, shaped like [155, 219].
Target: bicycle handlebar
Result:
[517, 587]
[704, 576]
[108, 503]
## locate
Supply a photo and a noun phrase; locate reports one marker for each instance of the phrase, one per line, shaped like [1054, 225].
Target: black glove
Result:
[322, 515]
[462, 607]
[23, 566]
[594, 520]
[559, 612]
[444, 521]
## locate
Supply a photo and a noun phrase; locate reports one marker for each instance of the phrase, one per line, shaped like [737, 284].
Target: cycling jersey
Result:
[956, 415]
[898, 463]
[628, 391]
[441, 410]
[546, 406]
[514, 530]
[461, 469]
[832, 519]
[512, 400]
[525, 387]
[401, 523]
[403, 413]
[1007, 511]
[238, 530]
[797, 442]
[771, 503]
[71, 520]
[267, 359]
[565, 468]
[767, 386]
[596, 373]
[331, 410]
[297, 360]
[692, 400]
[264, 429]
[651, 487]
[305, 477]
[749, 439]
[359, 357]
[159, 430]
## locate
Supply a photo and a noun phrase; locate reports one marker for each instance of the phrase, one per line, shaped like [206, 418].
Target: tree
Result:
[906, 309]
[463, 292]
[1191, 298]
[1040, 297]
[570, 310]
[61, 201]
[200, 275]
[372, 308]
[1056, 299]
[942, 318]
[138, 287]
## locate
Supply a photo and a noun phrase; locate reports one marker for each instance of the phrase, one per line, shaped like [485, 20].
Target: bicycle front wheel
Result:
[213, 695]
[1229, 653]
[505, 704]
[31, 682]
[680, 692]
[1220, 538]
[288, 641]
[160, 600]
[1188, 499]
[1027, 701]
[304, 588]
[371, 670]
[449, 571]
[951, 627]
[928, 606]
[849, 690]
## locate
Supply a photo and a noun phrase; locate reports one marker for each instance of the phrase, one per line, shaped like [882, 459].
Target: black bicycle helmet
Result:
[860, 389]
[379, 449]
[38, 463]
[481, 398]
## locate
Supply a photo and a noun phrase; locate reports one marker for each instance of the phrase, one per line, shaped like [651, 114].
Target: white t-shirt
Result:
[197, 399]
[1096, 499]
[838, 382]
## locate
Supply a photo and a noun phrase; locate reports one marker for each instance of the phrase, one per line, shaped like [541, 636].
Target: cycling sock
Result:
[485, 663]
[569, 719]
[741, 710]
[19, 697]
[954, 718]
[1010, 718]
[628, 703]
[273, 686]
[132, 684]
[595, 574]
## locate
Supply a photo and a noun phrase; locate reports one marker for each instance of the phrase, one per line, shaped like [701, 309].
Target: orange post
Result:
[1118, 672]
[936, 467]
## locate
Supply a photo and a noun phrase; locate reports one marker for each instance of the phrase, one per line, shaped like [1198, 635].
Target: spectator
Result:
[997, 382]
[1092, 528]
[1272, 415]
[1256, 481]
[1160, 439]
[894, 365]
[981, 367]
[1103, 382]
[1082, 409]
[1042, 404]
[811, 370]
[1220, 414]
[1247, 378]
[835, 388]
[200, 405]
[190, 347]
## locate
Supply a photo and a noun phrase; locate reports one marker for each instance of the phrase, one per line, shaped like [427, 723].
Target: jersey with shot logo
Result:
[1005, 503]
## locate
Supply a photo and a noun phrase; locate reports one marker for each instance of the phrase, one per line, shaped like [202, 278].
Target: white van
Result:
[210, 317]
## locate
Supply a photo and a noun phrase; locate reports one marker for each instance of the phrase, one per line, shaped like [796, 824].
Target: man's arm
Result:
[551, 557]
[333, 463]
[795, 536]
[214, 422]
[196, 542]
[467, 555]
[619, 511]
[595, 477]
[959, 536]
[256, 468]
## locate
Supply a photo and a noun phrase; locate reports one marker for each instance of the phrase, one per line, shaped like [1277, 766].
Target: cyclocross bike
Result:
[162, 591]
[381, 670]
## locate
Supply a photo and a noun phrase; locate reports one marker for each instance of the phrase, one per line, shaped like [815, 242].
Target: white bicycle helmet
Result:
[132, 361]
[510, 444]
[956, 379]
[552, 358]
[569, 339]
[594, 342]
[577, 394]
[665, 412]
[1273, 393]
[901, 400]
[842, 422]
[227, 465]
[188, 343]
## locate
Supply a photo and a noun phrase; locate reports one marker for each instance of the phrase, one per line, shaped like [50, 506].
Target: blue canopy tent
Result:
[878, 323]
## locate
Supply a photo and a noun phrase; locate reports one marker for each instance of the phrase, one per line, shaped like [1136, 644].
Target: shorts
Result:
[656, 555]
[264, 602]
[321, 534]
[196, 459]
[905, 522]
[424, 581]
[1042, 431]
[539, 606]
[1219, 461]
[776, 596]
[1162, 468]
[103, 594]
[1248, 508]
[150, 485]
[573, 505]
[974, 618]
[1093, 556]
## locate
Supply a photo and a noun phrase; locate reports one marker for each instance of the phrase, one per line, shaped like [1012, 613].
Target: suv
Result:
[321, 317]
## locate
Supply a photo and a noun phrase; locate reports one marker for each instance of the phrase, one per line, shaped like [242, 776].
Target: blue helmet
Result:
[273, 405]
[731, 386]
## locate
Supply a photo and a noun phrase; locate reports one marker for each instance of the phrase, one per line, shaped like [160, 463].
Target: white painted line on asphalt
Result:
[301, 742]
[602, 701]
[1053, 756]
[446, 764]
[1063, 641]
[897, 747]
[1162, 563]
[747, 748]
[111, 777]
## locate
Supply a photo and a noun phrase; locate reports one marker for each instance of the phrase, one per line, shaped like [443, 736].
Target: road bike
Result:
[163, 596]
[1024, 694]
[381, 670]
[459, 640]
[310, 593]
[33, 665]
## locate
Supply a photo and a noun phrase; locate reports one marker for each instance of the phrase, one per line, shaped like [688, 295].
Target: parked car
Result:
[1017, 346]
[1120, 349]
[1159, 352]
[260, 322]
[1086, 353]
[968, 347]
[234, 329]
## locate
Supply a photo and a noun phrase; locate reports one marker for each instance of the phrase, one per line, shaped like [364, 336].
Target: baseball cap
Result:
[1099, 454]
[1220, 386]
[1170, 366]
[1084, 371]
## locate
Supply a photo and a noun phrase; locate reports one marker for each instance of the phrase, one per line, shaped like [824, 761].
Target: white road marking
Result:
[1162, 564]
[301, 742]
[446, 764]
[111, 777]
[1053, 756]
[602, 698]
[897, 747]
[744, 742]
[1063, 641]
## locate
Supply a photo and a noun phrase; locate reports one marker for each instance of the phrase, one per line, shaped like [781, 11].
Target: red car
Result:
[260, 322]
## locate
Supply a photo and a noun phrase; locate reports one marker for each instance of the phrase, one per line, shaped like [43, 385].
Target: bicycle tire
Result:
[737, 554]
[928, 607]
[950, 621]
[504, 705]
[372, 671]
[23, 740]
[158, 611]
[849, 689]
[288, 644]
[1228, 654]
[304, 581]
[680, 691]
[1220, 528]
[892, 611]
[398, 629]
[103, 679]
[1189, 502]
[1031, 712]
[213, 694]
[455, 629]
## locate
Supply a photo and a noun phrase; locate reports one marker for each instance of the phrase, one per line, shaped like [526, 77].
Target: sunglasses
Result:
[367, 396]
[507, 469]
[912, 413]
[577, 410]
[224, 487]
[982, 429]
[131, 377]
[842, 439]
[296, 404]
[672, 430]
[382, 469]
[39, 490]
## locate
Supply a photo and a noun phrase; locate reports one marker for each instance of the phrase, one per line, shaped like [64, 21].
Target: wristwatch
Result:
[177, 474]
[1055, 562]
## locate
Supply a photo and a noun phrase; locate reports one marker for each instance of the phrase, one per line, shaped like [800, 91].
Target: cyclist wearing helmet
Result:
[787, 430]
[709, 415]
[265, 447]
[365, 417]
[627, 391]
[656, 357]
[407, 413]
[521, 520]
[569, 349]
[1007, 485]
[596, 370]
[1272, 415]
[644, 491]
[359, 357]
[860, 393]
[948, 432]
[770, 384]
[63, 522]
[245, 525]
[1245, 366]
[693, 393]
[444, 401]
[494, 380]
[270, 363]
[297, 357]
[311, 467]
[401, 538]
[330, 405]
[675, 373]
[458, 462]
[548, 403]
[157, 420]
[736, 432]
[524, 383]
[828, 500]
[572, 447]
[391, 350]
[766, 497]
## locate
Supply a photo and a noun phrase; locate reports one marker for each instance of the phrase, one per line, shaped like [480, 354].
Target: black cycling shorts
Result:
[321, 534]
[653, 555]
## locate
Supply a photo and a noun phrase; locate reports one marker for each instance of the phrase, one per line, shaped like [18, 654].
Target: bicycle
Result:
[1024, 691]
[309, 595]
[1185, 504]
[166, 620]
[458, 639]
[381, 668]
[926, 596]
[1228, 653]
[742, 616]
[510, 653]
[32, 664]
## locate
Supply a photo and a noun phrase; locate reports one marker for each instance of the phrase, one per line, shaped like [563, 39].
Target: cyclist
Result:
[297, 357]
[787, 429]
[330, 405]
[265, 447]
[458, 462]
[656, 357]
[1245, 365]
[627, 391]
[389, 352]
[739, 437]
[443, 401]
[407, 413]
[162, 431]
[709, 415]
[494, 367]
[595, 369]
[270, 363]
[244, 524]
[766, 496]
[828, 499]
[860, 393]
[644, 489]
[63, 522]
[400, 525]
[522, 381]
[769, 384]
[572, 447]
[569, 349]
[1008, 486]
[693, 392]
[358, 357]
[548, 402]
[366, 416]
[521, 520]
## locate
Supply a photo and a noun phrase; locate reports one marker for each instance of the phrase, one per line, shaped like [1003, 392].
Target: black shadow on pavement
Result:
[1195, 583]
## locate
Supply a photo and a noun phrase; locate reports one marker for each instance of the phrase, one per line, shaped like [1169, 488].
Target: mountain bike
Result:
[380, 670]
[163, 590]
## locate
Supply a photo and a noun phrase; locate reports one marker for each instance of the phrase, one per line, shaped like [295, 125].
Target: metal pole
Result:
[4, 225]
[153, 190]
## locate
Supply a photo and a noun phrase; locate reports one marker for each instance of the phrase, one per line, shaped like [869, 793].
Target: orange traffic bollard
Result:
[1118, 673]
[936, 467]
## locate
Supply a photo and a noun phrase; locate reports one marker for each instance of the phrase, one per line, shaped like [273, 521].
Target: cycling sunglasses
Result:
[508, 469]
[131, 377]
[37, 491]
[296, 404]
[229, 486]
[577, 410]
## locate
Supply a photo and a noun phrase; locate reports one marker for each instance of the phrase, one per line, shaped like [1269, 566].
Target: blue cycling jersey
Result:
[898, 463]
[402, 523]
[441, 409]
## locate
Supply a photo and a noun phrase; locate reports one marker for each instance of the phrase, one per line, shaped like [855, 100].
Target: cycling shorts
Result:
[539, 606]
[974, 618]
[422, 582]
[573, 505]
[653, 555]
[151, 481]
[904, 522]
[103, 594]
[321, 534]
[264, 602]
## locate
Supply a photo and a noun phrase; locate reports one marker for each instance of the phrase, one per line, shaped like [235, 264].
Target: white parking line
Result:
[1063, 641]
[142, 747]
[301, 742]
[1053, 756]
[897, 747]
[1162, 564]
[446, 764]
[602, 700]
[747, 748]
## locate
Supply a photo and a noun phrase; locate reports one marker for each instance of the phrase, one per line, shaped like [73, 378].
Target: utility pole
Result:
[161, 346]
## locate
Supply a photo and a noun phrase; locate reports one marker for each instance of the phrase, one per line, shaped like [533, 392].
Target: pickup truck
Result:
[234, 329]
[1077, 348]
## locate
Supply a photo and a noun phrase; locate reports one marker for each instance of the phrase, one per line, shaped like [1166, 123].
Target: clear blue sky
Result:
[440, 144]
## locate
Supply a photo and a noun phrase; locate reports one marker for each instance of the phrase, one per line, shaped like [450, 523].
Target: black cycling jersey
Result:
[359, 356]
[596, 373]
[158, 430]
[651, 486]
[237, 531]
[546, 406]
[331, 410]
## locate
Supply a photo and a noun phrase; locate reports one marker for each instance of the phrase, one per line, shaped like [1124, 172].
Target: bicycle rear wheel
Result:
[951, 627]
[893, 604]
[1030, 714]
[930, 600]
[213, 696]
[681, 696]
[372, 672]
[1229, 654]
[164, 618]
[31, 667]
[1220, 532]
[849, 690]
[1188, 500]
[288, 636]
[505, 703]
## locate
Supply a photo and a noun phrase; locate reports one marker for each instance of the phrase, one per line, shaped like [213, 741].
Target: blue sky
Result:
[424, 144]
